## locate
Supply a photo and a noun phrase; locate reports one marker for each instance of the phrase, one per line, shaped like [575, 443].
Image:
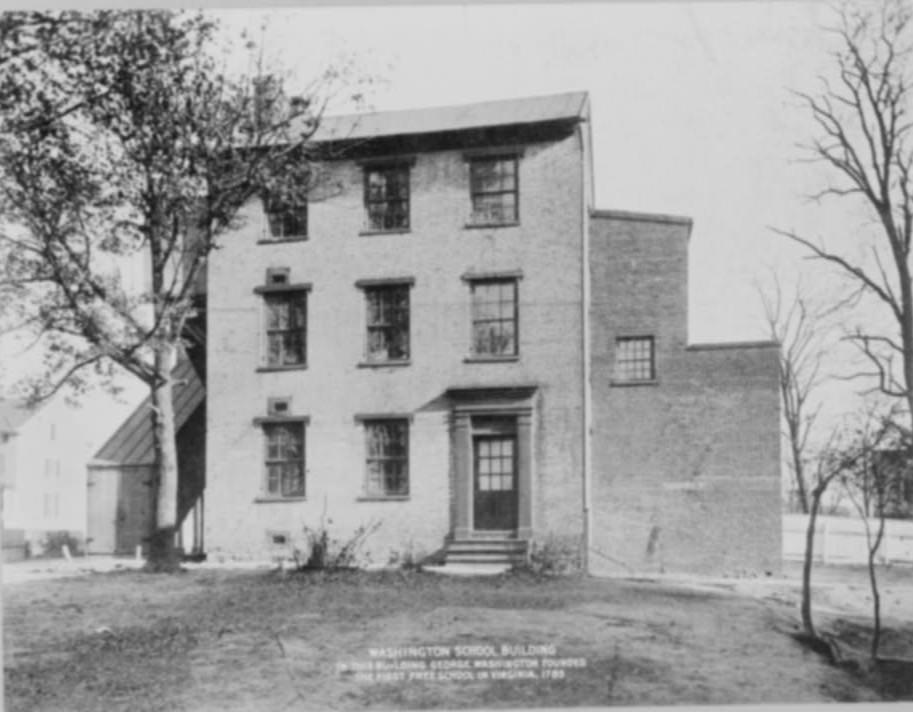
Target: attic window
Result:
[277, 275]
[279, 406]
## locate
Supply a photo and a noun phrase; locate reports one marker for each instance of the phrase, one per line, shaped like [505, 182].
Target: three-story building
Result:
[443, 343]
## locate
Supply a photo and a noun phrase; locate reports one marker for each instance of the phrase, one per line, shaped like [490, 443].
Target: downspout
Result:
[586, 143]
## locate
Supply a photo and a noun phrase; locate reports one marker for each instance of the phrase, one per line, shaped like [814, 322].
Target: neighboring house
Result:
[451, 341]
[121, 496]
[43, 454]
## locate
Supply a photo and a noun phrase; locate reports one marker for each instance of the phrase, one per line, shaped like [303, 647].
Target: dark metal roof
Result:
[526, 110]
[132, 443]
[13, 414]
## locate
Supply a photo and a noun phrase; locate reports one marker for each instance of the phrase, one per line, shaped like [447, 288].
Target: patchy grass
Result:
[218, 640]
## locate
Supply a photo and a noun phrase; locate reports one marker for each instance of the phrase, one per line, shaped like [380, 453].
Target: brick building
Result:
[451, 342]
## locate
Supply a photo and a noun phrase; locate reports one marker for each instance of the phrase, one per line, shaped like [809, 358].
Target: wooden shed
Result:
[120, 476]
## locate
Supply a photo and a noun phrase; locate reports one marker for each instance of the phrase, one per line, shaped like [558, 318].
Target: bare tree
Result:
[863, 139]
[871, 484]
[797, 327]
[121, 136]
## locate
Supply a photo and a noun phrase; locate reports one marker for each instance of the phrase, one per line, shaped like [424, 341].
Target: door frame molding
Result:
[515, 401]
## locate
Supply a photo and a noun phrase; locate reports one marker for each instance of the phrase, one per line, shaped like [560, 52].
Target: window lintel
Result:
[280, 419]
[273, 288]
[471, 276]
[364, 417]
[494, 152]
[385, 282]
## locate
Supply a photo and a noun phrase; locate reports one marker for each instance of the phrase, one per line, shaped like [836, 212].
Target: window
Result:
[494, 318]
[387, 449]
[493, 187]
[388, 322]
[286, 328]
[387, 197]
[286, 220]
[634, 359]
[284, 458]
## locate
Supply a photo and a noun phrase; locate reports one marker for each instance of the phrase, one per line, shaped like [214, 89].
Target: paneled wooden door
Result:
[495, 475]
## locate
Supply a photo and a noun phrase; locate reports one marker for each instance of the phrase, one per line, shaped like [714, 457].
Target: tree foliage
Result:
[122, 138]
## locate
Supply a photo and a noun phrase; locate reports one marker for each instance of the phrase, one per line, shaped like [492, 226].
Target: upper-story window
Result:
[284, 459]
[493, 188]
[285, 220]
[494, 318]
[285, 319]
[387, 197]
[388, 322]
[635, 360]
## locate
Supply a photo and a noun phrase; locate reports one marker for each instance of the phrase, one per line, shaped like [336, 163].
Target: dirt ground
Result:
[238, 640]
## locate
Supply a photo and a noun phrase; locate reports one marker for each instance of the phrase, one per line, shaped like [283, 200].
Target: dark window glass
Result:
[493, 186]
[494, 318]
[387, 447]
[387, 197]
[388, 323]
[286, 328]
[286, 220]
[284, 459]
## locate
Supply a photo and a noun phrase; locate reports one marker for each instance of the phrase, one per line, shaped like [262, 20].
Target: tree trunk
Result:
[163, 556]
[876, 605]
[806, 608]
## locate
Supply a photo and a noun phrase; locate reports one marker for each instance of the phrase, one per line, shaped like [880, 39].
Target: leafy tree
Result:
[122, 138]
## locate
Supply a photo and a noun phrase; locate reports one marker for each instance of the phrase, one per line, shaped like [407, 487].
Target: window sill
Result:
[293, 367]
[491, 359]
[384, 364]
[383, 498]
[265, 499]
[396, 231]
[486, 226]
[625, 384]
[280, 240]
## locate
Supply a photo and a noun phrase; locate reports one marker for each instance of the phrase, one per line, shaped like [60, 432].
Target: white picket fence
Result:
[841, 540]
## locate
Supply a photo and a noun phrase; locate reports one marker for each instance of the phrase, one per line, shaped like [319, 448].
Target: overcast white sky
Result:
[691, 107]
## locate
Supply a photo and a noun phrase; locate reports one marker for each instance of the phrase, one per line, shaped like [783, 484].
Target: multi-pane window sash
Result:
[493, 186]
[387, 447]
[388, 322]
[286, 221]
[634, 359]
[286, 328]
[494, 318]
[284, 459]
[387, 197]
[495, 463]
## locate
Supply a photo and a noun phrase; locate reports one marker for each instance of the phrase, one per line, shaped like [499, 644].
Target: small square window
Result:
[634, 359]
[387, 461]
[493, 189]
[284, 459]
[387, 197]
[494, 318]
[387, 323]
[286, 220]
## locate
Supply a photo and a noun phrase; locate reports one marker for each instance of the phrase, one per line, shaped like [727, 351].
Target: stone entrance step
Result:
[486, 551]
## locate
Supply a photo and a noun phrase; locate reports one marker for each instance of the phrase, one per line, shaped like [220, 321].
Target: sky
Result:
[692, 111]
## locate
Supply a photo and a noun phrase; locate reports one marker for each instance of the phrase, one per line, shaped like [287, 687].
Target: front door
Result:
[495, 475]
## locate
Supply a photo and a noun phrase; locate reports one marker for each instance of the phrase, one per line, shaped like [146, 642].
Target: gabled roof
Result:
[527, 110]
[132, 443]
[13, 414]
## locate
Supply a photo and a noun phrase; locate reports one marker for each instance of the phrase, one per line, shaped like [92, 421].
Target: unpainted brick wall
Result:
[685, 469]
